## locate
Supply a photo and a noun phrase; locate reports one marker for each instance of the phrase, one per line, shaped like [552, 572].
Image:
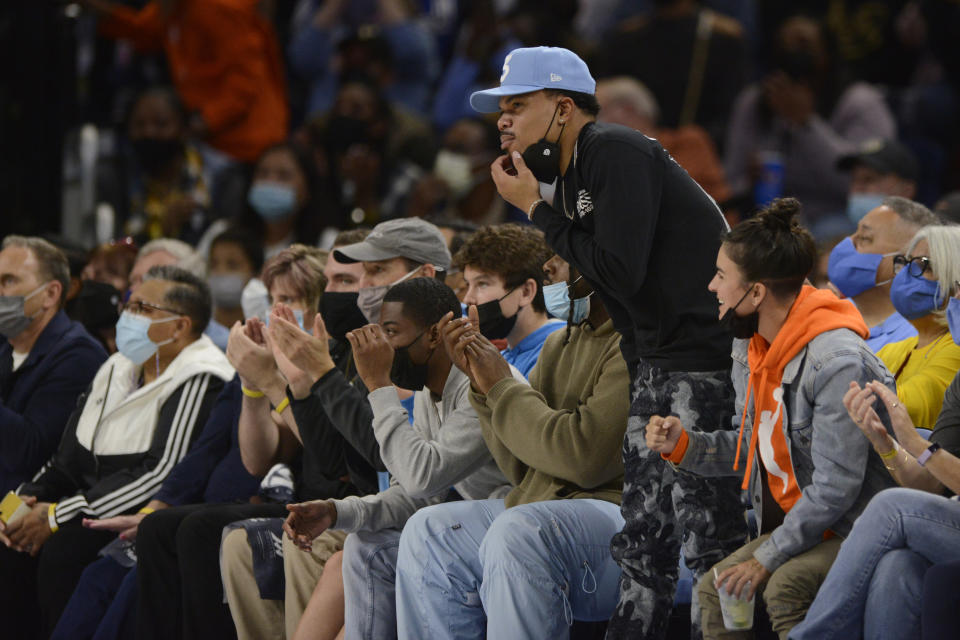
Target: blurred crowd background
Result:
[296, 119]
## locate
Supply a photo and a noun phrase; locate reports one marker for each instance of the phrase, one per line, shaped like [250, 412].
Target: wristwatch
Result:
[929, 451]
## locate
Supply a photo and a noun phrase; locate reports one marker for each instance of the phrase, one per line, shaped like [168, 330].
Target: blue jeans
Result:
[913, 528]
[369, 574]
[524, 572]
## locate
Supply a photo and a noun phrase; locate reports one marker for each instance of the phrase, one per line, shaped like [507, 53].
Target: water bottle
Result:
[769, 184]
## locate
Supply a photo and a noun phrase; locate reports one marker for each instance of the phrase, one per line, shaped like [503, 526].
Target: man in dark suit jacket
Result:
[46, 360]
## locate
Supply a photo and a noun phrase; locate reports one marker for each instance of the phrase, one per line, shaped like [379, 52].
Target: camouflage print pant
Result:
[664, 508]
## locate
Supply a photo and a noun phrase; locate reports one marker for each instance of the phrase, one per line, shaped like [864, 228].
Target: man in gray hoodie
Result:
[441, 455]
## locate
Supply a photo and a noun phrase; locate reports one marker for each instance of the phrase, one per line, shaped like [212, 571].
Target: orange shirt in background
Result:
[225, 64]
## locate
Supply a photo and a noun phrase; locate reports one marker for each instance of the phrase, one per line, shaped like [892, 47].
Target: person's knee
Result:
[520, 535]
[235, 553]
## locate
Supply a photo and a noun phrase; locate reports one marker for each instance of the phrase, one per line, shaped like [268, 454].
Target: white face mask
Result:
[456, 170]
[370, 299]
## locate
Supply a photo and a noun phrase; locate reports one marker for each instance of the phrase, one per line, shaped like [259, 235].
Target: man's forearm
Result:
[257, 435]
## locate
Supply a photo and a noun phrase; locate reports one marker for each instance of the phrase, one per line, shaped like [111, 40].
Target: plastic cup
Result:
[737, 612]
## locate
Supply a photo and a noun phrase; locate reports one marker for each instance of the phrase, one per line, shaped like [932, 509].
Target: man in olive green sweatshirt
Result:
[527, 566]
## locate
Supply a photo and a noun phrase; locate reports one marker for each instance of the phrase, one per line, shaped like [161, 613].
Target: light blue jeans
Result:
[524, 572]
[873, 589]
[369, 573]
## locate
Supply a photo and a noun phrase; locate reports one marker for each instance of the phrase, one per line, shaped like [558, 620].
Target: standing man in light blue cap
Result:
[645, 236]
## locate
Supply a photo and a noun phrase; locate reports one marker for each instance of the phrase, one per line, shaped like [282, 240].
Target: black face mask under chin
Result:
[493, 324]
[742, 327]
[543, 158]
[407, 374]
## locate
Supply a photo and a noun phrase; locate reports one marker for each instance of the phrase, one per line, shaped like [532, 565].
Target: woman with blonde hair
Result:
[927, 274]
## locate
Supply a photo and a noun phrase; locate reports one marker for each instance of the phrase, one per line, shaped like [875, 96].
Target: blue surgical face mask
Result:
[860, 204]
[296, 314]
[272, 201]
[853, 272]
[556, 297]
[132, 338]
[914, 296]
[953, 319]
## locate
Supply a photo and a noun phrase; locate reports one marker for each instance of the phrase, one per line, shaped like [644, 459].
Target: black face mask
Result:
[798, 64]
[96, 306]
[493, 325]
[543, 158]
[340, 313]
[407, 374]
[743, 327]
[153, 154]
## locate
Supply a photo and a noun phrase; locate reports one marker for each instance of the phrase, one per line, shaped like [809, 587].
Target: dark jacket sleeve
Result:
[188, 480]
[624, 182]
[349, 411]
[127, 489]
[946, 432]
[28, 438]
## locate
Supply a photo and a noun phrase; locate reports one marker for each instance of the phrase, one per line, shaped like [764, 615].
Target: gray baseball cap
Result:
[410, 238]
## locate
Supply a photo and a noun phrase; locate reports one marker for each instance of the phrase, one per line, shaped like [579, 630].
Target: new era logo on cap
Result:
[534, 68]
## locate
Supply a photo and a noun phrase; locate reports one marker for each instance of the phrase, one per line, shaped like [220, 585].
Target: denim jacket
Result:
[834, 464]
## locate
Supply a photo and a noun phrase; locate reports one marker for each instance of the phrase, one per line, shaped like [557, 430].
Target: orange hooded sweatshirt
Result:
[815, 311]
[225, 63]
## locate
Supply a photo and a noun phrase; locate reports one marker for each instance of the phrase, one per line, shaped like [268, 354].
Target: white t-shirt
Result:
[18, 359]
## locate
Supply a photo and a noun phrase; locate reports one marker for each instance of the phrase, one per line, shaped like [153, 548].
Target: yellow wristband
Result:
[52, 517]
[283, 405]
[890, 455]
[146, 511]
[250, 393]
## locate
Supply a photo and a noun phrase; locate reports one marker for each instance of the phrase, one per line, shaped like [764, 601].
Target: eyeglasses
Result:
[917, 265]
[138, 307]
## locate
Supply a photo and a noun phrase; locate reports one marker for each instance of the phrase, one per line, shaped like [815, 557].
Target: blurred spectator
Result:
[375, 152]
[111, 263]
[626, 101]
[804, 114]
[692, 59]
[948, 208]
[235, 257]
[460, 186]
[46, 361]
[158, 186]
[503, 268]
[164, 252]
[819, 276]
[225, 64]
[861, 267]
[286, 200]
[481, 47]
[924, 366]
[379, 38]
[880, 168]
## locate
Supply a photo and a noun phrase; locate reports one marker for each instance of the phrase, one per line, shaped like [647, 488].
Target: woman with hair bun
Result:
[808, 469]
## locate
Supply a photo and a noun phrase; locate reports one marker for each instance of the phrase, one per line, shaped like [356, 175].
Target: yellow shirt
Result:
[926, 373]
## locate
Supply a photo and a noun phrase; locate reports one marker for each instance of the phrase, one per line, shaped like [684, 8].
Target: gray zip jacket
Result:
[834, 464]
[443, 448]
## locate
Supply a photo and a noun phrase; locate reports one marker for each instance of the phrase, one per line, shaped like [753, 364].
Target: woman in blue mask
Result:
[925, 277]
[286, 201]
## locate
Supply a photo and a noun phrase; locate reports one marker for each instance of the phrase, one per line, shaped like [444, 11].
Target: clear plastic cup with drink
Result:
[737, 612]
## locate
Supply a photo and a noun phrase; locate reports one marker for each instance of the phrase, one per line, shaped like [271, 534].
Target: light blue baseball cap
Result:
[533, 69]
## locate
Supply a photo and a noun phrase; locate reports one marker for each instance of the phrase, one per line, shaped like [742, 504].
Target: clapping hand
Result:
[373, 356]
